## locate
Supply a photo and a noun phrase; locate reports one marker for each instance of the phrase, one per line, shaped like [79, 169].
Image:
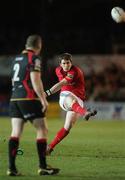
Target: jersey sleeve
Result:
[58, 73]
[36, 64]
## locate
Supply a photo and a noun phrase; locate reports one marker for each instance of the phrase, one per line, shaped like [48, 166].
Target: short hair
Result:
[33, 41]
[65, 56]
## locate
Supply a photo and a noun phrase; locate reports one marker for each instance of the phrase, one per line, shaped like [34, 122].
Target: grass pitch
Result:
[92, 150]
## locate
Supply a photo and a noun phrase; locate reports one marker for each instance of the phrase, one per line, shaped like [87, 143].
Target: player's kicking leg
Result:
[75, 104]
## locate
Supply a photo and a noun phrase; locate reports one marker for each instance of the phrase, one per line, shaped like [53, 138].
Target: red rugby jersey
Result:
[75, 78]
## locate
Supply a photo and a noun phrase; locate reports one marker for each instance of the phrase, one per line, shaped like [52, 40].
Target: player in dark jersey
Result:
[28, 102]
[72, 96]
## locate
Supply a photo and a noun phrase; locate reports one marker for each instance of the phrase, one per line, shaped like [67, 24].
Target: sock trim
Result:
[14, 138]
[41, 140]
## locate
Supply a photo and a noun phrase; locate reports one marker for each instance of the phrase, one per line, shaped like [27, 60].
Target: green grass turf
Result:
[93, 150]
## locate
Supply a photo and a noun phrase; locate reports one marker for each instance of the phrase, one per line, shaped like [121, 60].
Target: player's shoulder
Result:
[74, 68]
[17, 58]
[30, 55]
[77, 68]
[58, 69]
[36, 59]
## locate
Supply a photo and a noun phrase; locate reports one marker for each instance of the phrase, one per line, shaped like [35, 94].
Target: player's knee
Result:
[15, 134]
[69, 101]
[46, 131]
[43, 131]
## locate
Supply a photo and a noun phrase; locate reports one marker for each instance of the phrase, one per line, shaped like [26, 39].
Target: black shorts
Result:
[27, 110]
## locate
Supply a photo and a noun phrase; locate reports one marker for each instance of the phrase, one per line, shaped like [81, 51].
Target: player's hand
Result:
[44, 105]
[45, 94]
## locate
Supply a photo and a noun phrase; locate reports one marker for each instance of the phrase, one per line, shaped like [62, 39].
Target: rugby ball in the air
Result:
[117, 14]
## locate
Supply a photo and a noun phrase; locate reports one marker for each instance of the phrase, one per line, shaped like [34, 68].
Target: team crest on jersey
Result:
[70, 76]
[37, 65]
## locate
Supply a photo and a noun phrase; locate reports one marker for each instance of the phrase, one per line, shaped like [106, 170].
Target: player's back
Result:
[19, 66]
[20, 75]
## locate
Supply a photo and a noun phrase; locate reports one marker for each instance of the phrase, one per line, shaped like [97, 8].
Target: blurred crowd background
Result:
[78, 27]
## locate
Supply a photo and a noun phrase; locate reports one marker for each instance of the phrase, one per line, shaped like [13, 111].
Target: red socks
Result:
[59, 136]
[78, 109]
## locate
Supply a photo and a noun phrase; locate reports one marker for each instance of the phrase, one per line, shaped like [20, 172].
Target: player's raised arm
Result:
[56, 87]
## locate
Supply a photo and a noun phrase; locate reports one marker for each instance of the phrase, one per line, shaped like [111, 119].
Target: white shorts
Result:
[64, 94]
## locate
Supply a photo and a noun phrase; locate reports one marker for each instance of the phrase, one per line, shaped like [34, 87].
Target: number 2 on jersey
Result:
[16, 69]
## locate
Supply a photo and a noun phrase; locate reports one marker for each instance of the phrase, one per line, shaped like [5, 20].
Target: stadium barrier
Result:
[108, 110]
[4, 106]
[54, 110]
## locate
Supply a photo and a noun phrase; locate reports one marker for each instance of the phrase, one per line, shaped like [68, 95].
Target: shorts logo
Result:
[29, 115]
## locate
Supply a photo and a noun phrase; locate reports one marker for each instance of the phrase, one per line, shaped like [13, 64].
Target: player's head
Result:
[65, 60]
[34, 42]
